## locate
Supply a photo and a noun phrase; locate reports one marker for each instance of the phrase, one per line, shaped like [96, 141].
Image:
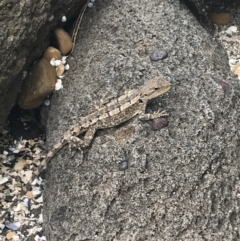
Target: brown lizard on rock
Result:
[116, 112]
[112, 114]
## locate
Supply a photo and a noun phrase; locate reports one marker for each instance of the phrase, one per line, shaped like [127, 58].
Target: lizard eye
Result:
[156, 88]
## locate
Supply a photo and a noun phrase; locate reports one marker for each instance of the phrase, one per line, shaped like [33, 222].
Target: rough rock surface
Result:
[24, 35]
[182, 183]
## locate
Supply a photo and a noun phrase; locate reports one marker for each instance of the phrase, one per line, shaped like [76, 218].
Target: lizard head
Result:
[154, 88]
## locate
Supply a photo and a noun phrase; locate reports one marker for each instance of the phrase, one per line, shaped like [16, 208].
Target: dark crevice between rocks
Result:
[201, 8]
[26, 124]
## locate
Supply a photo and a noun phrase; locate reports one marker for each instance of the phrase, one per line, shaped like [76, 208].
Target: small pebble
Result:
[10, 235]
[64, 19]
[64, 59]
[159, 123]
[232, 61]
[47, 102]
[158, 55]
[67, 67]
[58, 85]
[233, 29]
[123, 166]
[90, 5]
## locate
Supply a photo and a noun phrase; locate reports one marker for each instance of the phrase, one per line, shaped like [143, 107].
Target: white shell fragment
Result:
[26, 201]
[3, 179]
[64, 19]
[58, 85]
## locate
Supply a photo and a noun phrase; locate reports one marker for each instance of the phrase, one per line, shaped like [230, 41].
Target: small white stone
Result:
[40, 219]
[64, 19]
[232, 61]
[90, 5]
[15, 238]
[51, 18]
[67, 67]
[3, 179]
[64, 59]
[47, 102]
[5, 152]
[58, 85]
[233, 29]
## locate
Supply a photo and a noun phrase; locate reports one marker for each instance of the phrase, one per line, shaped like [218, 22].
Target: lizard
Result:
[113, 113]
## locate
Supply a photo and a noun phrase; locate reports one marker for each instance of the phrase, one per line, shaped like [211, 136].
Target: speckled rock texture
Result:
[24, 35]
[182, 182]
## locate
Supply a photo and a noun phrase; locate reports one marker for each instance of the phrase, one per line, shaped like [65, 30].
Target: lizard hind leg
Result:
[154, 115]
[75, 142]
[89, 136]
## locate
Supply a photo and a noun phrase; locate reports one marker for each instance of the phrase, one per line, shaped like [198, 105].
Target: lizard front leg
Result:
[147, 116]
[154, 115]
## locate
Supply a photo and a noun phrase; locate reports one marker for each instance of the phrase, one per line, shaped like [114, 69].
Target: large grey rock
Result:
[24, 35]
[182, 182]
